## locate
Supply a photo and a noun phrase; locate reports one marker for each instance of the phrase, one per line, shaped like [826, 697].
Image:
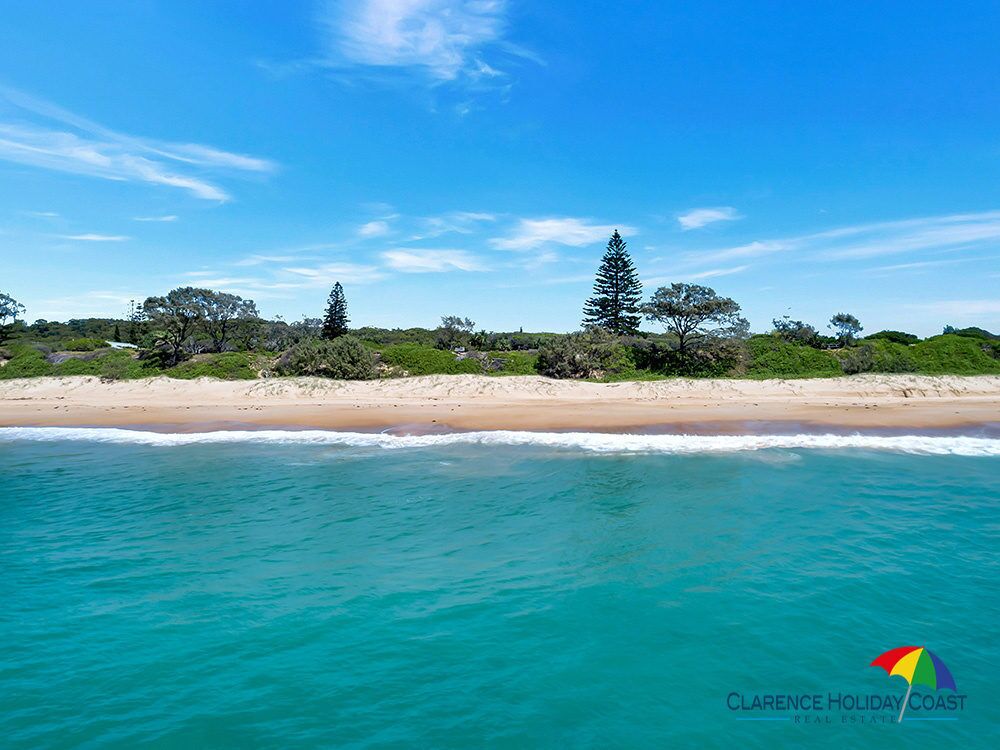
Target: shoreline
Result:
[434, 403]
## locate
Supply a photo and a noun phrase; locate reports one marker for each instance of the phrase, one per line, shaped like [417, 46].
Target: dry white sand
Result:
[516, 402]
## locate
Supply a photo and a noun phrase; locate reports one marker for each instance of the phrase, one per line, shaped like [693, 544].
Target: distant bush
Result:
[416, 359]
[972, 332]
[593, 353]
[896, 337]
[795, 331]
[770, 357]
[84, 345]
[515, 363]
[952, 354]
[711, 358]
[877, 355]
[343, 358]
[25, 362]
[226, 366]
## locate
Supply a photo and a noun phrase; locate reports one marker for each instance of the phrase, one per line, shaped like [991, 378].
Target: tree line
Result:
[693, 313]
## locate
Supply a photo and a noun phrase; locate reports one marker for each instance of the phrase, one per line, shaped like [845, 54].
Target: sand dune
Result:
[522, 402]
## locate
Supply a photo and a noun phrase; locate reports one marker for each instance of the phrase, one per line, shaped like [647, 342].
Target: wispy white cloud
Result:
[91, 237]
[700, 217]
[40, 134]
[327, 273]
[533, 233]
[444, 39]
[167, 218]
[459, 222]
[42, 214]
[960, 308]
[932, 233]
[695, 275]
[257, 260]
[428, 261]
[376, 228]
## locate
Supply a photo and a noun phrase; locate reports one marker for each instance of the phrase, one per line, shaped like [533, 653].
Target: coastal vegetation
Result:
[192, 332]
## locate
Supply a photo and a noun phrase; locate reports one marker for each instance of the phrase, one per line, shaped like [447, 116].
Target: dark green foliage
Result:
[847, 327]
[136, 322]
[224, 316]
[414, 359]
[617, 292]
[10, 311]
[715, 357]
[795, 331]
[770, 357]
[972, 332]
[174, 319]
[454, 332]
[84, 345]
[591, 353]
[877, 355]
[695, 314]
[335, 321]
[343, 358]
[389, 336]
[896, 337]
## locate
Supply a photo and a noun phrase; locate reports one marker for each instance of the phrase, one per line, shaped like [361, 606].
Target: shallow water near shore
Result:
[311, 591]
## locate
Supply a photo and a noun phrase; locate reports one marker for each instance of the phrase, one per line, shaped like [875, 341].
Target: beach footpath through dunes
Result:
[474, 402]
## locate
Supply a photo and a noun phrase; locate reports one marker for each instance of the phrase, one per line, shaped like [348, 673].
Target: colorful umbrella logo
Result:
[918, 666]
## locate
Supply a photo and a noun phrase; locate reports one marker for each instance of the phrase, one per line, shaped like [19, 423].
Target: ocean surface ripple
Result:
[311, 590]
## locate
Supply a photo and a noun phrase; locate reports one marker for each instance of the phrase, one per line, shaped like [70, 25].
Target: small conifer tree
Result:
[617, 292]
[335, 321]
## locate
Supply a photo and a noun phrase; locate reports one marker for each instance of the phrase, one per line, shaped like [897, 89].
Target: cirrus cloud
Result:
[431, 261]
[529, 234]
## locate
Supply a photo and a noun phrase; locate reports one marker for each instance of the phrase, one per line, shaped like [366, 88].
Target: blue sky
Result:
[448, 157]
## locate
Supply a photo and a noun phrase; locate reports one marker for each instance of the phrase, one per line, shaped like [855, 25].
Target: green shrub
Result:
[226, 366]
[84, 345]
[25, 362]
[770, 357]
[952, 354]
[343, 358]
[417, 359]
[878, 355]
[972, 332]
[896, 337]
[78, 366]
[515, 363]
[712, 358]
[593, 353]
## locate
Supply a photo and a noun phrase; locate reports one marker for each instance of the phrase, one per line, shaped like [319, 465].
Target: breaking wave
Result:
[586, 441]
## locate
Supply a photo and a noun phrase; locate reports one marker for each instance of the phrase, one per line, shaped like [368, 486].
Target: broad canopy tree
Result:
[615, 305]
[175, 317]
[10, 311]
[847, 327]
[184, 312]
[335, 321]
[223, 313]
[695, 314]
[454, 331]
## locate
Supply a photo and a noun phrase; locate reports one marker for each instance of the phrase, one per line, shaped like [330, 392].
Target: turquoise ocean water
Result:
[303, 590]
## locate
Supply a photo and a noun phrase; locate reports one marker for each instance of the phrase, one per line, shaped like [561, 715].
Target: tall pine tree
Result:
[617, 291]
[336, 320]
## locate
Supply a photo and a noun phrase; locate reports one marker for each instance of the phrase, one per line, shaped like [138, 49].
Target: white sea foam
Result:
[586, 441]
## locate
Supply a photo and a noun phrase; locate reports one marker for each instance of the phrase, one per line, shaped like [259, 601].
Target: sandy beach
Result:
[466, 402]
